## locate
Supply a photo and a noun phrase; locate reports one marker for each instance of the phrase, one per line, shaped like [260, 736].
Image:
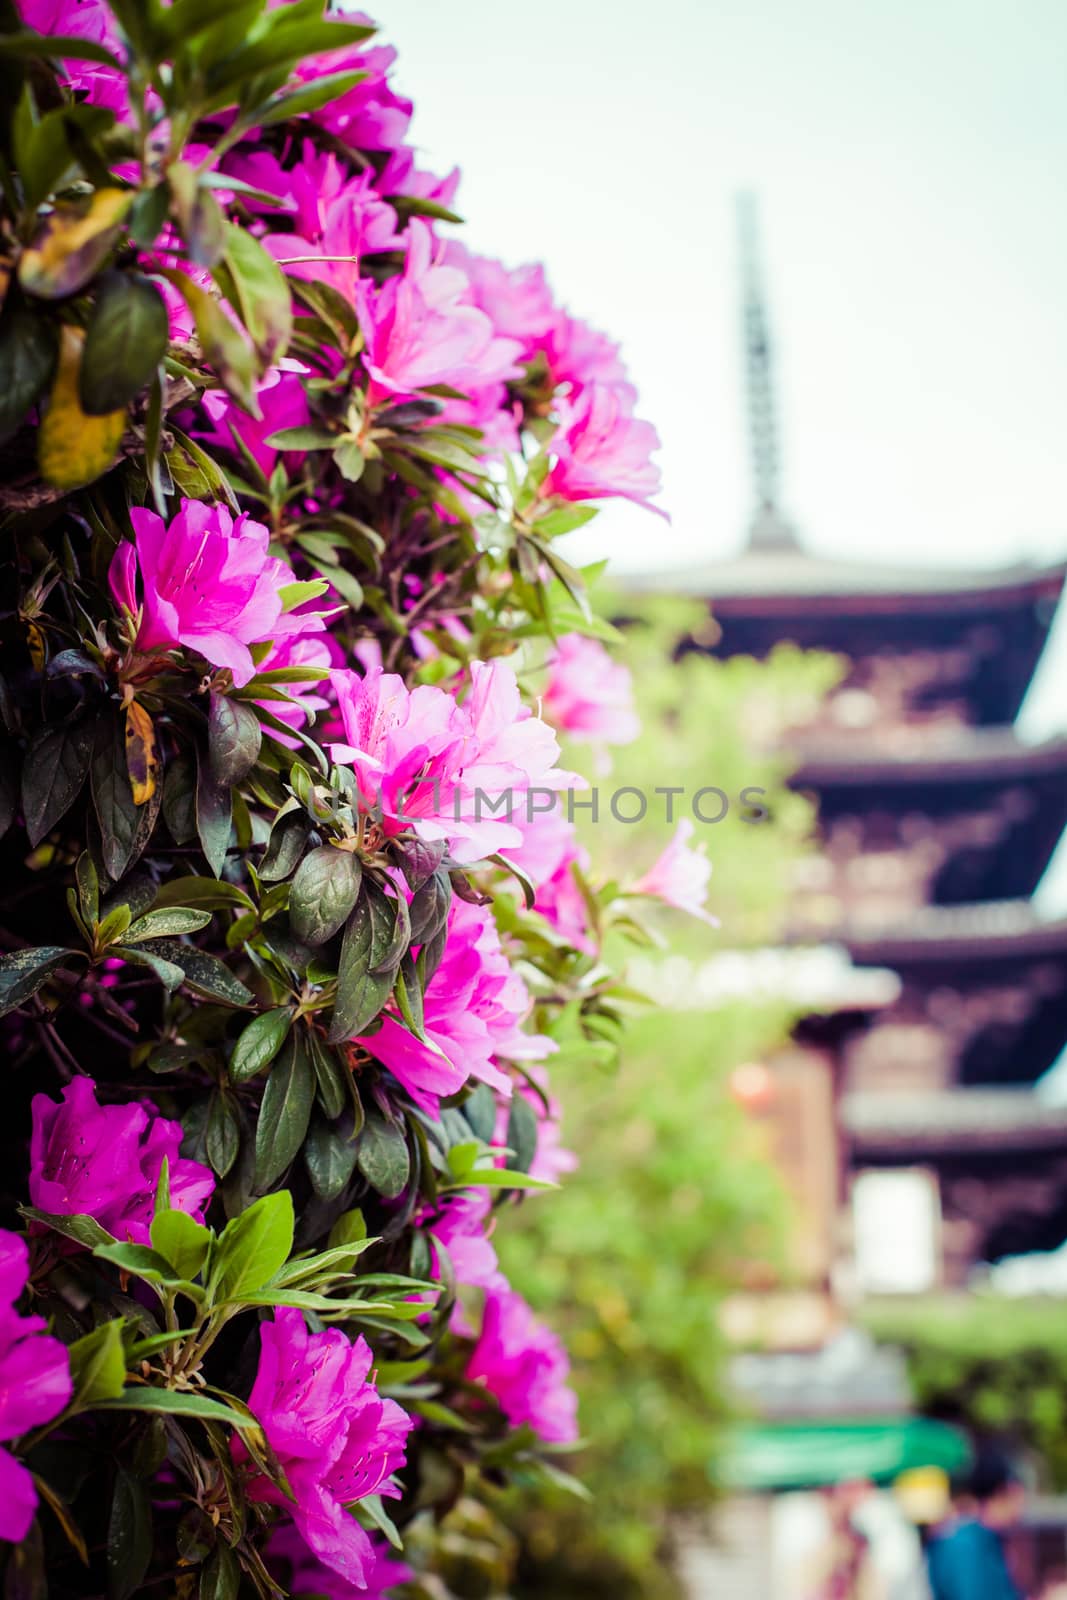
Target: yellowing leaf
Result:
[72, 244]
[142, 763]
[72, 447]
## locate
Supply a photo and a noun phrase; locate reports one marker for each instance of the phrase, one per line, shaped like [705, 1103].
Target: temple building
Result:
[936, 822]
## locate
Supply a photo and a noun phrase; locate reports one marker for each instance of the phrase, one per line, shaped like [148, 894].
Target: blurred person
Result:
[965, 1558]
[843, 1567]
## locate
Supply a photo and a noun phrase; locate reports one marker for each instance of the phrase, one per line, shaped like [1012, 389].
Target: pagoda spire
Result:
[768, 530]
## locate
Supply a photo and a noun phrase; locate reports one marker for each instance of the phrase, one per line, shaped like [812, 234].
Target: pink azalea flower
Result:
[306, 700]
[35, 1385]
[400, 176]
[420, 328]
[91, 81]
[449, 772]
[588, 695]
[473, 1011]
[601, 450]
[336, 1439]
[370, 115]
[105, 1161]
[304, 1574]
[525, 1367]
[548, 851]
[208, 583]
[679, 877]
[460, 1224]
[578, 355]
[518, 302]
[338, 218]
[282, 403]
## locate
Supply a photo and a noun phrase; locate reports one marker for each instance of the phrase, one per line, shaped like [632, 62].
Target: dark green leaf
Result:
[260, 1043]
[223, 1137]
[203, 972]
[224, 347]
[170, 976]
[220, 1576]
[129, 1535]
[324, 892]
[126, 341]
[288, 840]
[429, 907]
[178, 1403]
[253, 1247]
[29, 346]
[55, 768]
[284, 1112]
[330, 1157]
[214, 817]
[179, 800]
[382, 1156]
[121, 822]
[522, 1134]
[361, 991]
[200, 217]
[332, 1077]
[23, 972]
[234, 737]
[165, 924]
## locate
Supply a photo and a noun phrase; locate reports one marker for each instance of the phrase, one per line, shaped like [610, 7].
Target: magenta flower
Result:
[420, 328]
[552, 1160]
[282, 403]
[208, 583]
[679, 877]
[303, 1574]
[400, 176]
[601, 450]
[34, 1386]
[578, 355]
[337, 218]
[336, 1439]
[104, 1161]
[473, 1011]
[588, 695]
[548, 852]
[460, 1224]
[440, 768]
[518, 302]
[370, 115]
[91, 81]
[525, 1367]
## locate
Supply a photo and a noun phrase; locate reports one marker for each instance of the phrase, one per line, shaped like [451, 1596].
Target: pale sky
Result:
[909, 156]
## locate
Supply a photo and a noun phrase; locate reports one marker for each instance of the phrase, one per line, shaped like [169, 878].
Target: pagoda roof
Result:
[913, 1126]
[773, 582]
[965, 756]
[997, 931]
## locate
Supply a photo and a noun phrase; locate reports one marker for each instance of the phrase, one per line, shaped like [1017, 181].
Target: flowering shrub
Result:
[289, 929]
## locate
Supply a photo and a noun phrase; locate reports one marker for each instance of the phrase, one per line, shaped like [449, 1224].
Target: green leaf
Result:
[29, 347]
[200, 217]
[223, 1136]
[304, 438]
[23, 972]
[362, 991]
[479, 1109]
[56, 47]
[129, 1535]
[376, 1515]
[55, 769]
[223, 346]
[126, 341]
[195, 473]
[220, 1576]
[383, 1157]
[350, 1228]
[165, 923]
[204, 892]
[253, 1247]
[181, 1240]
[262, 296]
[234, 738]
[123, 824]
[332, 1077]
[330, 1158]
[72, 242]
[214, 817]
[170, 976]
[204, 973]
[324, 892]
[88, 881]
[81, 1228]
[288, 840]
[284, 1112]
[522, 1134]
[259, 1043]
[178, 1403]
[98, 1364]
[139, 1260]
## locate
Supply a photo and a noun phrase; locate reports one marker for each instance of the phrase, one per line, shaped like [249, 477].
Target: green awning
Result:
[802, 1455]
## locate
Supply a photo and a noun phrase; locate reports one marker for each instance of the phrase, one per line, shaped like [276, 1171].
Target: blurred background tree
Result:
[673, 1198]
